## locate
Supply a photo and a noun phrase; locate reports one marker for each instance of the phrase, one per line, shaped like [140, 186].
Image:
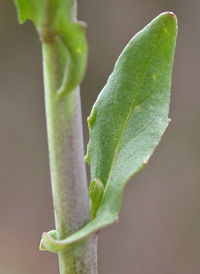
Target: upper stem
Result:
[68, 174]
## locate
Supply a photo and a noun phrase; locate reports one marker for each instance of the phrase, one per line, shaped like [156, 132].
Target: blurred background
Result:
[159, 227]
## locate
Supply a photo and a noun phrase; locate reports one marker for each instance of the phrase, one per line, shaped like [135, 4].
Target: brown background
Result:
[159, 228]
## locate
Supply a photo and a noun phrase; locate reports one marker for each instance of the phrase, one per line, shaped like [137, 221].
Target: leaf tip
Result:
[20, 17]
[117, 219]
[91, 119]
[41, 246]
[82, 24]
[145, 163]
[171, 15]
[61, 92]
[87, 158]
[47, 237]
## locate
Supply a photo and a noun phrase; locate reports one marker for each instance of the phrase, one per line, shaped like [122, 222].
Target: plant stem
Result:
[68, 174]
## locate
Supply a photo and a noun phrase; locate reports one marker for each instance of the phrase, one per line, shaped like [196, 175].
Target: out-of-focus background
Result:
[159, 227]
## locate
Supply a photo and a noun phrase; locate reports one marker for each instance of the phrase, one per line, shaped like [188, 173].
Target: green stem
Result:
[68, 175]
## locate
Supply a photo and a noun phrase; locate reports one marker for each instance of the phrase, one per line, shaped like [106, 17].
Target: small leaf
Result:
[128, 119]
[96, 191]
[52, 19]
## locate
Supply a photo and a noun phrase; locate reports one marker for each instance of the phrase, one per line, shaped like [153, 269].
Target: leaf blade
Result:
[131, 113]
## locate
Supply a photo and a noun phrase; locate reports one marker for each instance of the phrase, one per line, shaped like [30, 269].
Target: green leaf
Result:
[128, 119]
[96, 191]
[54, 19]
